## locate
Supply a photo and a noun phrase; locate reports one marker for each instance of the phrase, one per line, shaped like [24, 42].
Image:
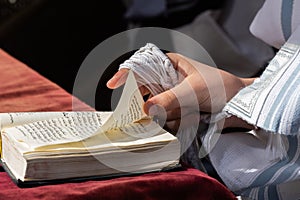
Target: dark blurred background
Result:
[54, 36]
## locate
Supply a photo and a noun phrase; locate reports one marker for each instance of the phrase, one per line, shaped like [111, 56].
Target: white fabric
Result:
[235, 162]
[153, 69]
[244, 162]
[272, 101]
[247, 168]
[268, 23]
[247, 164]
[276, 20]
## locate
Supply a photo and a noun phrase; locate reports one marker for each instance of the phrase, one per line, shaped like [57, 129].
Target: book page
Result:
[113, 139]
[129, 108]
[71, 127]
[20, 118]
[78, 126]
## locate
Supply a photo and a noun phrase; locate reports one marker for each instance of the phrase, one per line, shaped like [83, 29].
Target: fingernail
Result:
[154, 110]
[110, 82]
[147, 106]
[159, 114]
[157, 110]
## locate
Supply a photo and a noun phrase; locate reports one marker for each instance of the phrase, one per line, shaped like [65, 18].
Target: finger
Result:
[118, 79]
[161, 103]
[189, 120]
[172, 116]
[181, 64]
[178, 113]
[182, 95]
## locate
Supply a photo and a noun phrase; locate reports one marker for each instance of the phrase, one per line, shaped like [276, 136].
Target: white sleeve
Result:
[276, 21]
[272, 101]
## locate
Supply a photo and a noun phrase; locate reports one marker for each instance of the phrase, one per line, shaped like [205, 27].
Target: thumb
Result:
[118, 79]
[161, 103]
[182, 95]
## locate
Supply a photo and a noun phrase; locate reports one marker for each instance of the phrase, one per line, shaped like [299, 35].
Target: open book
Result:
[45, 146]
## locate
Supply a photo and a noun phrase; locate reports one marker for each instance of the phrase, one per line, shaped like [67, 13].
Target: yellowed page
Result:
[70, 128]
[78, 126]
[129, 108]
[20, 118]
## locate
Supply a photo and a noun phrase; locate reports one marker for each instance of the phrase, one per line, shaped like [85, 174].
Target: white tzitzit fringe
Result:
[155, 71]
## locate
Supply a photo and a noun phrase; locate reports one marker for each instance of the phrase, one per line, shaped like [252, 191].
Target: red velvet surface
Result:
[22, 89]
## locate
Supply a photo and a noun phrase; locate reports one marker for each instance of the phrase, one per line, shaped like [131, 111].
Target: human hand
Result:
[201, 88]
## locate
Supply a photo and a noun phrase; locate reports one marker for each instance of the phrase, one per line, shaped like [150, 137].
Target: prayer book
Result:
[41, 147]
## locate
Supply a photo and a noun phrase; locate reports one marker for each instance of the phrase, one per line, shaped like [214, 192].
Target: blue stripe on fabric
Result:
[261, 192]
[296, 118]
[266, 175]
[286, 18]
[246, 192]
[268, 192]
[272, 192]
[286, 96]
[289, 171]
[283, 93]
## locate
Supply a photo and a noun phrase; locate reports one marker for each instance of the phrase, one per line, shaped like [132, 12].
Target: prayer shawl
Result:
[264, 164]
[257, 167]
[268, 166]
[271, 102]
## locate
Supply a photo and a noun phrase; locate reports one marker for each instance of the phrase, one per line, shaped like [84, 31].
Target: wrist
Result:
[247, 81]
